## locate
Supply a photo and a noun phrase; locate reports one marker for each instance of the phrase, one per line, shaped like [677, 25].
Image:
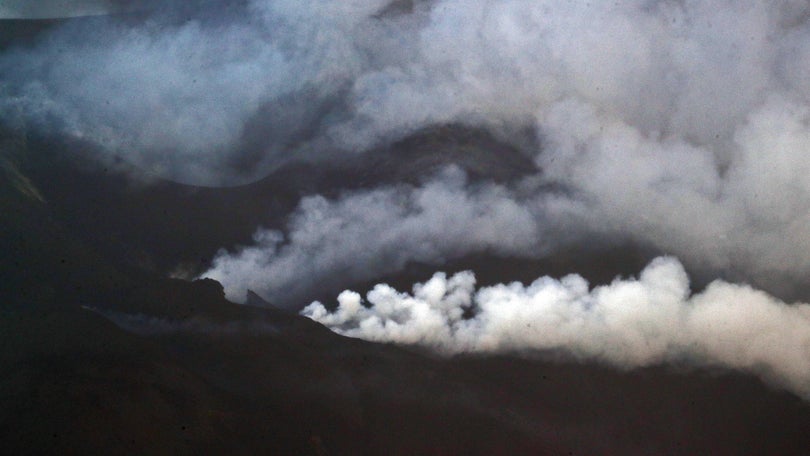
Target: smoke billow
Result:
[370, 233]
[628, 323]
[681, 125]
[181, 94]
[186, 95]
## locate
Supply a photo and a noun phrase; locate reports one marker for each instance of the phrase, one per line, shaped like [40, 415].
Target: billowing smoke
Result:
[681, 125]
[371, 233]
[206, 96]
[748, 220]
[628, 323]
[229, 89]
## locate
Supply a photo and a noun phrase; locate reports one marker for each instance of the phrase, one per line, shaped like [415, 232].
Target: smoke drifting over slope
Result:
[371, 233]
[682, 125]
[629, 323]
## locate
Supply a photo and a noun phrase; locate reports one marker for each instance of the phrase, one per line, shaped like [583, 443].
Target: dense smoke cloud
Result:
[629, 323]
[749, 216]
[371, 233]
[682, 125]
[184, 96]
[188, 96]
[749, 221]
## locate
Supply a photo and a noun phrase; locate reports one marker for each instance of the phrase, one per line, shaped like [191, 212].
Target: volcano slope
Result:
[102, 353]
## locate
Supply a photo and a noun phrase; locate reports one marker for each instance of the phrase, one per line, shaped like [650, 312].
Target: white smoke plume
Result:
[748, 221]
[370, 233]
[681, 125]
[629, 323]
[748, 216]
[179, 95]
[187, 98]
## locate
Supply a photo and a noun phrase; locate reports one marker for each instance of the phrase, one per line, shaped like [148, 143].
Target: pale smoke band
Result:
[630, 323]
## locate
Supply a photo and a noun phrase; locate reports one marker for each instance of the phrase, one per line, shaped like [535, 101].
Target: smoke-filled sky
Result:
[682, 125]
